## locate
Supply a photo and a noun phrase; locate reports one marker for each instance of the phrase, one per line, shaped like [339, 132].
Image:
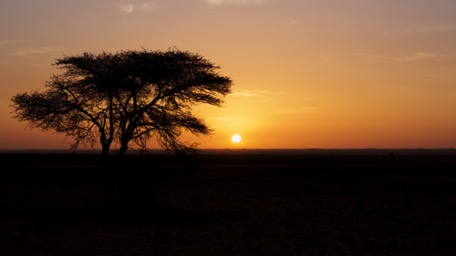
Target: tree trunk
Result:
[122, 150]
[104, 151]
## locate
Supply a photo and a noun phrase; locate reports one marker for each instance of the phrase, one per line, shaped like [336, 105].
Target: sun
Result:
[236, 138]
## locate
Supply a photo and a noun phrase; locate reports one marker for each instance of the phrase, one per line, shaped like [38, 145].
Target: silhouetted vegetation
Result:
[124, 97]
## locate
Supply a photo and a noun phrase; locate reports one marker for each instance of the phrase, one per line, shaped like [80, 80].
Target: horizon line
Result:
[236, 150]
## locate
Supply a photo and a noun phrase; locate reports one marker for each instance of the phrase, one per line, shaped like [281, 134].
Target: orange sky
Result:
[306, 73]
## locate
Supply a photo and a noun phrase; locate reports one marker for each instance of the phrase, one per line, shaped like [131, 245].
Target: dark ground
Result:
[232, 203]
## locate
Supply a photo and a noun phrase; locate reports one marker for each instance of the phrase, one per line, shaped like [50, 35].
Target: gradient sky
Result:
[306, 73]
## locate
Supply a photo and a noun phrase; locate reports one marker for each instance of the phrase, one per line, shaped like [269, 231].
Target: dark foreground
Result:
[353, 203]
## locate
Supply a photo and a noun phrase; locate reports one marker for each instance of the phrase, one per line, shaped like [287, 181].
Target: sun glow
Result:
[236, 138]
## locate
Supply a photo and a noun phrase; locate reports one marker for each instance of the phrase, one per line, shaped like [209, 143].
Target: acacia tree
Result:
[125, 97]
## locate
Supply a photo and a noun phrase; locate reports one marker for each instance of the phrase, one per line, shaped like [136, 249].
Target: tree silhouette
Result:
[125, 97]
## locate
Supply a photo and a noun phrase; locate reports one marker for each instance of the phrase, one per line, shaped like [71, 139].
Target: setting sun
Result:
[236, 138]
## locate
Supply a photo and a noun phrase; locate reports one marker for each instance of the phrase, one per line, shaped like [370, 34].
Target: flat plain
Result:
[231, 202]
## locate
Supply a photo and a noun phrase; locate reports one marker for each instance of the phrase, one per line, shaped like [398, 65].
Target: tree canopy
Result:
[125, 97]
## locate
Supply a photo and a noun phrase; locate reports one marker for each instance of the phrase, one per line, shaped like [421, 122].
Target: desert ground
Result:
[225, 202]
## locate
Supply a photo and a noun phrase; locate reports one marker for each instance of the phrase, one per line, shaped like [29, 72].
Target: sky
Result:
[306, 73]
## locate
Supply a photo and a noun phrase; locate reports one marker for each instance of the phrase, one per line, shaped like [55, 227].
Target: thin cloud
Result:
[419, 56]
[130, 8]
[7, 42]
[247, 94]
[126, 8]
[227, 2]
[433, 28]
[260, 95]
[33, 51]
[244, 94]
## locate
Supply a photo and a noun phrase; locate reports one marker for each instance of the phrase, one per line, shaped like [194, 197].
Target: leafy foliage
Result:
[128, 96]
